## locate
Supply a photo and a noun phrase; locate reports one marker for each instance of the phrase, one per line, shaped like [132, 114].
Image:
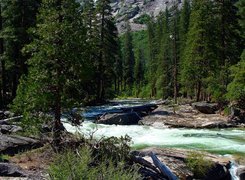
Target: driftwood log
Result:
[157, 170]
[163, 168]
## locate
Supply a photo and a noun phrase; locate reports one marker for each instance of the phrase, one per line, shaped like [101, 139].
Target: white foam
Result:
[214, 140]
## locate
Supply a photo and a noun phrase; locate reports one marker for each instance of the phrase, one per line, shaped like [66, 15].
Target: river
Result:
[226, 142]
[219, 141]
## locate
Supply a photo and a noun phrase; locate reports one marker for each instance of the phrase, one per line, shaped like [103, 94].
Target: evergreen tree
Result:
[18, 17]
[118, 70]
[236, 89]
[129, 61]
[108, 48]
[200, 52]
[3, 70]
[164, 59]
[56, 63]
[139, 70]
[152, 65]
[175, 48]
[228, 47]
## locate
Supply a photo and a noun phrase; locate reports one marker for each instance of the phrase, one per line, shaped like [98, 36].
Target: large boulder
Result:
[206, 108]
[11, 170]
[237, 115]
[130, 118]
[241, 172]
[8, 129]
[12, 144]
[218, 172]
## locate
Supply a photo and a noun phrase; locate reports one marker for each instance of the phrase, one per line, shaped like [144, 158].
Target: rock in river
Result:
[206, 108]
[130, 118]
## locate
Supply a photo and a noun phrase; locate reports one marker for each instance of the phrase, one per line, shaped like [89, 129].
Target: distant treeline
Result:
[193, 51]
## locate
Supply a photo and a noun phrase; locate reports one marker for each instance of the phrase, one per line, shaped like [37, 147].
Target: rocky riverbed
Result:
[159, 129]
[186, 116]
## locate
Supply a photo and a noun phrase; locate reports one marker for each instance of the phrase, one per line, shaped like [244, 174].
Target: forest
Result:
[57, 55]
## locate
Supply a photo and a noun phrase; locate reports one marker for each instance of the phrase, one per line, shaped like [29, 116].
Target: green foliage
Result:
[143, 19]
[236, 89]
[198, 164]
[199, 55]
[128, 58]
[105, 162]
[77, 165]
[227, 111]
[4, 157]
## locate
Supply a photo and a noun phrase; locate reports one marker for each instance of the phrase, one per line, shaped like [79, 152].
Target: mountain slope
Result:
[137, 10]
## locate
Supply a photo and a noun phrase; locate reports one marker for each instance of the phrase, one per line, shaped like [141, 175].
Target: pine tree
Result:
[108, 48]
[236, 89]
[3, 69]
[176, 49]
[18, 17]
[129, 61]
[164, 59]
[118, 70]
[152, 56]
[139, 70]
[56, 63]
[200, 52]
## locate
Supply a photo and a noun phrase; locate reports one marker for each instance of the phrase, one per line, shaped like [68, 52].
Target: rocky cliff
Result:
[137, 11]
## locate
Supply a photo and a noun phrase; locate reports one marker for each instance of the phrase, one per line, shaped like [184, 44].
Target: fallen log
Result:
[143, 162]
[12, 118]
[163, 168]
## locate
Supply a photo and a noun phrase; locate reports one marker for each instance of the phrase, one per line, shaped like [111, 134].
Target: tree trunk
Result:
[3, 92]
[198, 91]
[58, 127]
[100, 69]
[175, 73]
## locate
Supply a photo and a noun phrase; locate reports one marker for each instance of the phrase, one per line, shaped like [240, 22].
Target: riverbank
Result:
[172, 133]
[185, 116]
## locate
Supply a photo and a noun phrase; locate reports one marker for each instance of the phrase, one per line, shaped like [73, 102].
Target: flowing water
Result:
[219, 141]
[224, 141]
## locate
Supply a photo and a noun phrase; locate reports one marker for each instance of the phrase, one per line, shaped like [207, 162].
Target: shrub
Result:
[143, 19]
[198, 164]
[80, 164]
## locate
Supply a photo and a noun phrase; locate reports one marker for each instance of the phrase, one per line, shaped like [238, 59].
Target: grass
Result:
[198, 164]
[4, 158]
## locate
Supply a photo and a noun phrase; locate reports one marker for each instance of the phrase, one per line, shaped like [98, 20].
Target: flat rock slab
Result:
[185, 116]
[12, 144]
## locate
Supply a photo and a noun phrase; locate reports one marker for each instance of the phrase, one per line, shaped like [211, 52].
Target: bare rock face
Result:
[12, 144]
[133, 9]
